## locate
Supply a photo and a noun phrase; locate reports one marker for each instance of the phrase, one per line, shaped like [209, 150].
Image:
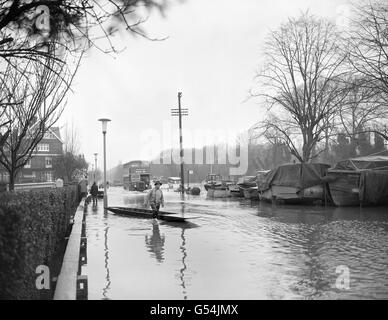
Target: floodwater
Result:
[237, 249]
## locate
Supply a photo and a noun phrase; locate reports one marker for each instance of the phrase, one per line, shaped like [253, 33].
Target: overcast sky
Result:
[211, 55]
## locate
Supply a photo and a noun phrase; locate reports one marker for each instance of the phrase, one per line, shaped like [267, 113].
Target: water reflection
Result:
[316, 240]
[184, 266]
[155, 242]
[105, 290]
[155, 245]
[241, 250]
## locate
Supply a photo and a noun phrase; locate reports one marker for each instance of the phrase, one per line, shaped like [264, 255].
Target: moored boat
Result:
[210, 193]
[221, 192]
[245, 183]
[218, 192]
[212, 180]
[294, 183]
[234, 191]
[359, 181]
[251, 193]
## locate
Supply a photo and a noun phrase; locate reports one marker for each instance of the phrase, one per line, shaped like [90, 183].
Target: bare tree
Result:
[70, 139]
[69, 166]
[364, 110]
[70, 23]
[36, 101]
[299, 83]
[368, 43]
[71, 162]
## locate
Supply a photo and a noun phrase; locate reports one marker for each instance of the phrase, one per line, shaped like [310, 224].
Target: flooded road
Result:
[237, 249]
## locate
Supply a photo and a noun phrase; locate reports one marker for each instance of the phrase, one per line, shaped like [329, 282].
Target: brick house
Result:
[40, 167]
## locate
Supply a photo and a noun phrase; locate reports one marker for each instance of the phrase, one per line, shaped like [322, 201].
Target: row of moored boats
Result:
[352, 182]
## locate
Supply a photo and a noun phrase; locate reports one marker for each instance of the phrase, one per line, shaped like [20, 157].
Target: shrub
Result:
[32, 226]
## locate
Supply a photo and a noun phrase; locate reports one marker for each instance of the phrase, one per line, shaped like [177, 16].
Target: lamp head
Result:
[104, 122]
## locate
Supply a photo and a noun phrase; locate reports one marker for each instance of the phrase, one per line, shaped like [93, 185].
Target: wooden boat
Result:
[234, 191]
[244, 184]
[293, 195]
[210, 193]
[359, 181]
[147, 213]
[294, 184]
[212, 180]
[251, 193]
[220, 190]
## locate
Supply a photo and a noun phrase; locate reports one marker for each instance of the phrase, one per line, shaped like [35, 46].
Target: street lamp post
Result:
[104, 122]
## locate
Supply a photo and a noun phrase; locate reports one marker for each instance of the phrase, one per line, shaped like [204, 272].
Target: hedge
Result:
[32, 228]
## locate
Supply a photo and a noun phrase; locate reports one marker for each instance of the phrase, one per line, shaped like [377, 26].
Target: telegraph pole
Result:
[180, 112]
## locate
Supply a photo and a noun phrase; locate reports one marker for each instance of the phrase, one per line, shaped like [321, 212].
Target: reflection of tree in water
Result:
[316, 282]
[155, 242]
[302, 229]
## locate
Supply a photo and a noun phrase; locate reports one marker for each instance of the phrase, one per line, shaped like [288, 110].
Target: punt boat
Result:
[147, 213]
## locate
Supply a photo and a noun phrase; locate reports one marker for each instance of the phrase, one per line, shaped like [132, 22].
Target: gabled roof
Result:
[54, 130]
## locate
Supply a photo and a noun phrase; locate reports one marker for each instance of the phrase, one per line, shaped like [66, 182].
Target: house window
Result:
[28, 164]
[4, 177]
[48, 176]
[49, 162]
[43, 147]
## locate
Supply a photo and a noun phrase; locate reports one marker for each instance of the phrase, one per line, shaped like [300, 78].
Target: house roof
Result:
[54, 130]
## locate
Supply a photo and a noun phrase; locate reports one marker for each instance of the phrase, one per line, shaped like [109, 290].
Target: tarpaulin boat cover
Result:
[363, 163]
[374, 187]
[247, 181]
[301, 176]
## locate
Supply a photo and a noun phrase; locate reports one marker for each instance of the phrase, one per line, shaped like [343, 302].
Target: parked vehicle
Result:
[137, 175]
[359, 181]
[174, 183]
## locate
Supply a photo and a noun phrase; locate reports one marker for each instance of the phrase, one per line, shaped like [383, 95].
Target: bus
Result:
[174, 183]
[137, 175]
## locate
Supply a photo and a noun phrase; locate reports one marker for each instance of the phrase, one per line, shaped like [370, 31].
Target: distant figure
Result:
[94, 193]
[155, 198]
[83, 188]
